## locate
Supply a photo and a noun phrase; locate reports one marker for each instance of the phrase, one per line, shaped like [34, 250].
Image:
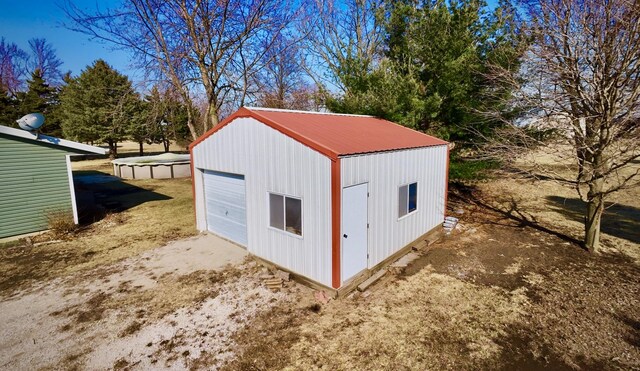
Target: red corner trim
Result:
[335, 223]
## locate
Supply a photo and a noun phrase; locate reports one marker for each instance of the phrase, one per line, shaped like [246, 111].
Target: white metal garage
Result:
[226, 205]
[326, 196]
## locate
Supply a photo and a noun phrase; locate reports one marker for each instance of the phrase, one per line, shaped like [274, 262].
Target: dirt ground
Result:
[500, 293]
[171, 307]
[510, 289]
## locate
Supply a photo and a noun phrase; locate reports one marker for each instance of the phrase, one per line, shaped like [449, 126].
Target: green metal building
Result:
[35, 179]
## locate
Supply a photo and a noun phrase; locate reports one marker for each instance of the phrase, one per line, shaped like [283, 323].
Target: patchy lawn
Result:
[133, 216]
[511, 289]
[559, 210]
[500, 294]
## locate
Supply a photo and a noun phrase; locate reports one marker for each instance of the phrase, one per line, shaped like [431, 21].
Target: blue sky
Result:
[22, 20]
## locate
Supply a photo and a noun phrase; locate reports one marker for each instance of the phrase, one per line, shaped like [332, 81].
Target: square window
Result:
[285, 213]
[407, 199]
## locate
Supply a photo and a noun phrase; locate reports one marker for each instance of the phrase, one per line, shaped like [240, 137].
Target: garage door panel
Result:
[232, 213]
[231, 229]
[226, 200]
[226, 205]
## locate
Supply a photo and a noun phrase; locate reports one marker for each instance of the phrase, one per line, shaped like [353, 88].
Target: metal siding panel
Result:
[273, 162]
[33, 182]
[385, 172]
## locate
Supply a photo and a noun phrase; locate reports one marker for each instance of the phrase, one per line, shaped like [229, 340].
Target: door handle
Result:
[345, 236]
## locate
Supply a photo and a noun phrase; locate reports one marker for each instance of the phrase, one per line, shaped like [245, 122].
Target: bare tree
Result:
[580, 80]
[201, 46]
[16, 64]
[282, 76]
[13, 69]
[346, 40]
[43, 57]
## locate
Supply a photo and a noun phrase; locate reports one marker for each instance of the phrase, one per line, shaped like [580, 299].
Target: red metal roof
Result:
[335, 134]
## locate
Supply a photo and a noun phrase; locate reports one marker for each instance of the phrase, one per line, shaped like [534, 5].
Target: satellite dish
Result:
[31, 122]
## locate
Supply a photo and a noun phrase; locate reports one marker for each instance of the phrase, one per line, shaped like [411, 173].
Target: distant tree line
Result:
[422, 64]
[101, 106]
[98, 106]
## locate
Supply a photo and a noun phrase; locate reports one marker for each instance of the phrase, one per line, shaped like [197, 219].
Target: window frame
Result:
[408, 185]
[284, 214]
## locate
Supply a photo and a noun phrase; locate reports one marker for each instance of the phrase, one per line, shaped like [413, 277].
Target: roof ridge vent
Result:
[299, 111]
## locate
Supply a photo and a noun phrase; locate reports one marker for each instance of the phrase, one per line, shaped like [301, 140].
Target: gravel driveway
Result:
[171, 307]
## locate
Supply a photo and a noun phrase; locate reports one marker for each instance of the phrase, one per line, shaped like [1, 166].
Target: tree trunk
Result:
[212, 116]
[595, 207]
[166, 143]
[141, 148]
[113, 149]
[190, 125]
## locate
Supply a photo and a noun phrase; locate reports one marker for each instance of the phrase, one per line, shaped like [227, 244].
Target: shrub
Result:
[460, 169]
[61, 222]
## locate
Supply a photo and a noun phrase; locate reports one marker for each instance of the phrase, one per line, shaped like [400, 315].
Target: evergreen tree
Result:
[432, 75]
[156, 107]
[139, 128]
[8, 109]
[42, 98]
[175, 119]
[161, 118]
[98, 105]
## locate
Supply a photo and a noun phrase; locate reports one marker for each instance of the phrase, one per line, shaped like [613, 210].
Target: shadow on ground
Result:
[98, 194]
[508, 209]
[618, 220]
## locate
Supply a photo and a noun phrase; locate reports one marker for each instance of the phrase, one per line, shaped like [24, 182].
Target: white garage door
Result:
[226, 205]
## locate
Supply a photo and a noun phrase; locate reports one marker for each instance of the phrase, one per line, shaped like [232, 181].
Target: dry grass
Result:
[132, 147]
[61, 223]
[558, 208]
[429, 317]
[498, 296]
[156, 211]
[515, 291]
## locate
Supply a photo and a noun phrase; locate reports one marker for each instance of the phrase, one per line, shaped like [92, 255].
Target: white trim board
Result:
[51, 140]
[72, 189]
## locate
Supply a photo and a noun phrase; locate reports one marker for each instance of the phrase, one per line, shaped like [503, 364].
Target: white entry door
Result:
[354, 230]
[226, 205]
